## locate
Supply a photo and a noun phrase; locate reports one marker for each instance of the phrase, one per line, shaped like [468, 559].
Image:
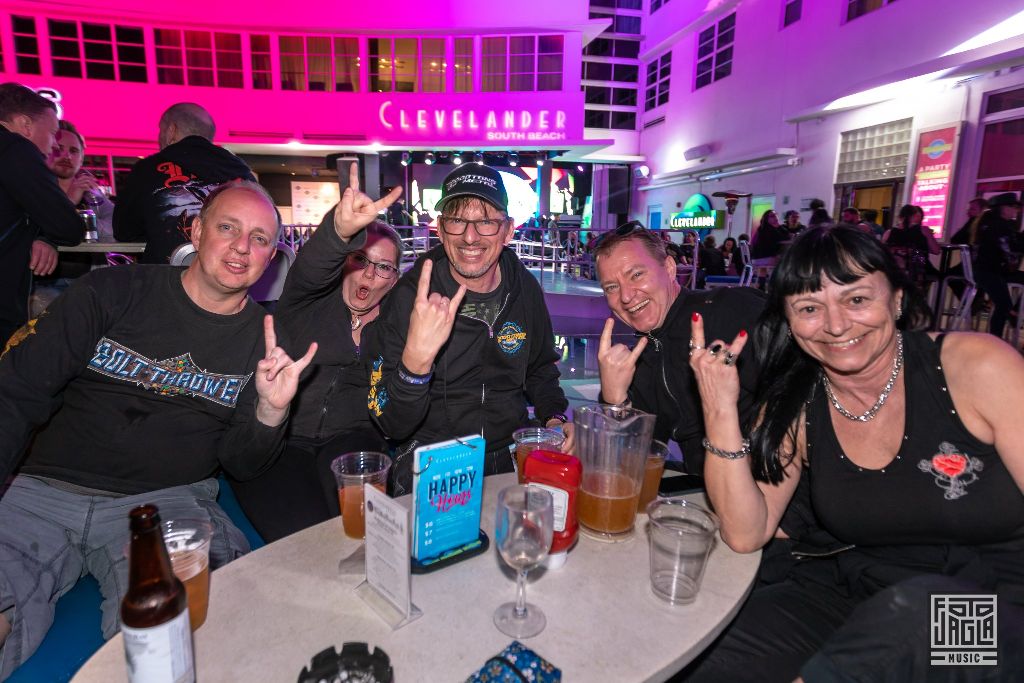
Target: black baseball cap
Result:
[474, 180]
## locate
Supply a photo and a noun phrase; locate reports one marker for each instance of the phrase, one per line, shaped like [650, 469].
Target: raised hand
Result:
[277, 377]
[430, 323]
[356, 210]
[616, 364]
[714, 366]
[81, 183]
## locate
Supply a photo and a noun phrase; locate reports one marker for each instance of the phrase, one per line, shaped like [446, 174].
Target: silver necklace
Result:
[356, 321]
[870, 413]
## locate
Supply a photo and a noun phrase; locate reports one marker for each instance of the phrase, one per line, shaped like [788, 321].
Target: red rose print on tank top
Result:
[952, 470]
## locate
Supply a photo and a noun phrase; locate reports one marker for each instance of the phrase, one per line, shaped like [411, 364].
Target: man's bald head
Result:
[184, 119]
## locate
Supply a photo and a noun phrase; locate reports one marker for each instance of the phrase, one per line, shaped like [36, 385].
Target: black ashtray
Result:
[354, 664]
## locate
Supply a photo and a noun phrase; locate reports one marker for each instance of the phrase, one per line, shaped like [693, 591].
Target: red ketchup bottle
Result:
[559, 474]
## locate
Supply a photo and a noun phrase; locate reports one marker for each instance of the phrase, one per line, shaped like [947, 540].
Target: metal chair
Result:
[271, 283]
[958, 316]
[183, 254]
[1011, 333]
[747, 274]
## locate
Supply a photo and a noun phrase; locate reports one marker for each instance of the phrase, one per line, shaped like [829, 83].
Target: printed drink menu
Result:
[447, 493]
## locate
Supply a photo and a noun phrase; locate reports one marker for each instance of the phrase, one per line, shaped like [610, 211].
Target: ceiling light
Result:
[478, 158]
[513, 159]
[429, 159]
[457, 158]
[540, 162]
[405, 158]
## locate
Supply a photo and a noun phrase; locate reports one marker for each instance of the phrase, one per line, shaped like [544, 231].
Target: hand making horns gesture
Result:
[616, 363]
[430, 323]
[356, 210]
[714, 366]
[277, 377]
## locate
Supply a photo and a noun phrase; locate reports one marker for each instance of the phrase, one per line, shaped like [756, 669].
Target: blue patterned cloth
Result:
[516, 664]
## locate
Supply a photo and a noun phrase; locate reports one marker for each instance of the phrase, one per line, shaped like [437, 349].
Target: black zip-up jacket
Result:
[332, 392]
[998, 243]
[664, 384]
[31, 205]
[484, 376]
[165, 191]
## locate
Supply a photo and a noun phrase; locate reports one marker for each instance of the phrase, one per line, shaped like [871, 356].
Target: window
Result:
[597, 71]
[595, 94]
[858, 8]
[111, 53]
[393, 64]
[626, 24]
[522, 63]
[790, 12]
[433, 64]
[1001, 150]
[657, 5]
[628, 49]
[26, 45]
[317, 63]
[624, 97]
[624, 120]
[599, 47]
[198, 58]
[658, 72]
[1004, 101]
[608, 47]
[626, 73]
[596, 119]
[262, 72]
[464, 65]
[714, 52]
[874, 153]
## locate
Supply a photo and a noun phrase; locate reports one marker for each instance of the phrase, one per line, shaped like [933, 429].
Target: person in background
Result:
[911, 242]
[915, 449]
[793, 224]
[465, 338]
[998, 256]
[35, 214]
[137, 386]
[869, 217]
[712, 262]
[639, 283]
[332, 297]
[731, 256]
[819, 217]
[768, 239]
[85, 193]
[165, 191]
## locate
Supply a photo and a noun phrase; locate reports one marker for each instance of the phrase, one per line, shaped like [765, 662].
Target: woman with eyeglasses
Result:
[332, 296]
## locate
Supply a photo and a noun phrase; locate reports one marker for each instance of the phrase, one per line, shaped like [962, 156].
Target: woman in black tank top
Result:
[909, 454]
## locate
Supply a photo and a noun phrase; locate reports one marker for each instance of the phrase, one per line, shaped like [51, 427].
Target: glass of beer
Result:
[612, 443]
[652, 474]
[188, 545]
[530, 439]
[352, 471]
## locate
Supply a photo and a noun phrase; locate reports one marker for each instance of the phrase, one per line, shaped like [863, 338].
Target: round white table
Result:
[273, 609]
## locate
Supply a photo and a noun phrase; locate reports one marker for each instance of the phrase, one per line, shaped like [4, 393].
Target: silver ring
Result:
[695, 347]
[729, 359]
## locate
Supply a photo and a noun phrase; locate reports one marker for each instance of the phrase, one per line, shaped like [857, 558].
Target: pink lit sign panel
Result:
[933, 174]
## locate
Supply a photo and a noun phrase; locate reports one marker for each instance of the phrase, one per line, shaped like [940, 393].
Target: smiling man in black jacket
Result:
[465, 337]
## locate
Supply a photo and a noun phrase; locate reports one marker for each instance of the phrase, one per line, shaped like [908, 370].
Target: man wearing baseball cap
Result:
[465, 339]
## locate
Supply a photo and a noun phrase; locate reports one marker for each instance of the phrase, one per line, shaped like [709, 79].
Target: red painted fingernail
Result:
[696, 317]
[743, 333]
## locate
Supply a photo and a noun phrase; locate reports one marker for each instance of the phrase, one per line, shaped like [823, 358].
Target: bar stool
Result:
[959, 316]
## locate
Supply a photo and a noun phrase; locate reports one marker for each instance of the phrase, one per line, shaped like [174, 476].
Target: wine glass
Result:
[522, 532]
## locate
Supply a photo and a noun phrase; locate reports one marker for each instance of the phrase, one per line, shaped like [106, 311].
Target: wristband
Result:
[411, 378]
[557, 416]
[728, 455]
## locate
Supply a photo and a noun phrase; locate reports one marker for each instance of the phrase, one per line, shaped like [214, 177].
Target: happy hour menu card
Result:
[447, 495]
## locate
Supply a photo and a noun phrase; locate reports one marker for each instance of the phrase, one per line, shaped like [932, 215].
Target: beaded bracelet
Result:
[728, 455]
[411, 378]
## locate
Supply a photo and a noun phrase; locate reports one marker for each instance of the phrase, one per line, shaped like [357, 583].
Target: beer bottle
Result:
[154, 612]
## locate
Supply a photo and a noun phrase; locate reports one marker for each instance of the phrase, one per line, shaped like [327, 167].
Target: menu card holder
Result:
[388, 585]
[447, 496]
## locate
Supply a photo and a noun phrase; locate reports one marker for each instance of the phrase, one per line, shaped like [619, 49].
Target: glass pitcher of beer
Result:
[613, 444]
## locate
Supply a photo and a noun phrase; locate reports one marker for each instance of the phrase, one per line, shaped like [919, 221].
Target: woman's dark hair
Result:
[764, 220]
[789, 377]
[819, 217]
[907, 212]
[727, 240]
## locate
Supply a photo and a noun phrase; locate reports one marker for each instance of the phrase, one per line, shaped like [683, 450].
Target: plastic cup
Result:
[681, 536]
[530, 439]
[188, 545]
[352, 471]
[652, 474]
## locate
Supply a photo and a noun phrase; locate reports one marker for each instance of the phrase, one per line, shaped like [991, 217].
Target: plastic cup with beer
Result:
[652, 474]
[352, 471]
[681, 536]
[612, 443]
[530, 439]
[188, 545]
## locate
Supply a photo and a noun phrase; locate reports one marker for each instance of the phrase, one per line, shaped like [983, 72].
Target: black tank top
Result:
[945, 487]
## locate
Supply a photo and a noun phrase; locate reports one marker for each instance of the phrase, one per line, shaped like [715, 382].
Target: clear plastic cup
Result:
[352, 471]
[530, 439]
[652, 474]
[681, 536]
[188, 545]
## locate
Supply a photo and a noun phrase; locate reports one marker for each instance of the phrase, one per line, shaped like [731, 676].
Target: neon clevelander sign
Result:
[499, 125]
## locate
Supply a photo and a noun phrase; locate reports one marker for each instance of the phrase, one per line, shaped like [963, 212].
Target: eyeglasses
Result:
[621, 231]
[382, 270]
[485, 227]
